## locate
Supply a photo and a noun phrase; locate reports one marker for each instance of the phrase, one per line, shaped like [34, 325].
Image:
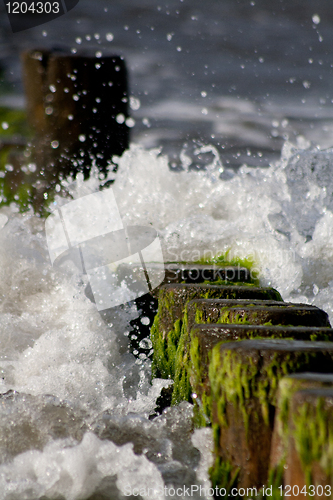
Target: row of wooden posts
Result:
[258, 370]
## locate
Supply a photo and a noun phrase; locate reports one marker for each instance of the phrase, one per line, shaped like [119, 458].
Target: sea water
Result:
[74, 415]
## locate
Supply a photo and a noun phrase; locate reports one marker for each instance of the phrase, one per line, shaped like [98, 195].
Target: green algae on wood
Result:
[287, 387]
[255, 313]
[243, 379]
[310, 453]
[166, 332]
[224, 259]
[204, 337]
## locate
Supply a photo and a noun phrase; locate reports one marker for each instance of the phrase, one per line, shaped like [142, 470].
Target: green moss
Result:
[237, 382]
[223, 475]
[228, 317]
[165, 349]
[224, 260]
[287, 387]
[321, 336]
[165, 346]
[202, 401]
[240, 382]
[316, 444]
[182, 387]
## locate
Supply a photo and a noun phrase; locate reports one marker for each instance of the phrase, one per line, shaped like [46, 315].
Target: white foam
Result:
[75, 471]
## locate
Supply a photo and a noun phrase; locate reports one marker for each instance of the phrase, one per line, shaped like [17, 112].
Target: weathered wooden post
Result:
[243, 378]
[77, 106]
[283, 423]
[309, 458]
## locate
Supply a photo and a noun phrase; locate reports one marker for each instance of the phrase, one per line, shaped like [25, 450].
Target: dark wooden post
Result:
[77, 106]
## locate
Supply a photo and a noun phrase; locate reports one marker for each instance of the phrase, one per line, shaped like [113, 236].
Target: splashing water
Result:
[78, 425]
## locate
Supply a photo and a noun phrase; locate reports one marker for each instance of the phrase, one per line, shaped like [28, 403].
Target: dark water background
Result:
[242, 75]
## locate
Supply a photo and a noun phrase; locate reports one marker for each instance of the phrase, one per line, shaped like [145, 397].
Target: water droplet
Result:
[97, 65]
[179, 49]
[82, 138]
[73, 51]
[146, 122]
[37, 55]
[52, 88]
[117, 68]
[32, 167]
[55, 144]
[98, 99]
[130, 122]
[146, 344]
[203, 93]
[109, 37]
[145, 321]
[49, 110]
[315, 19]
[78, 40]
[70, 117]
[120, 118]
[134, 103]
[44, 33]
[88, 37]
[4, 125]
[97, 36]
[98, 54]
[75, 97]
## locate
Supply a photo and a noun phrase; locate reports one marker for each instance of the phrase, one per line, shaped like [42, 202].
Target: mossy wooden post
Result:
[309, 460]
[280, 439]
[243, 379]
[77, 106]
[255, 313]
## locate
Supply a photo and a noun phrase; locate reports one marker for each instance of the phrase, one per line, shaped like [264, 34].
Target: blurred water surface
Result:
[242, 75]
